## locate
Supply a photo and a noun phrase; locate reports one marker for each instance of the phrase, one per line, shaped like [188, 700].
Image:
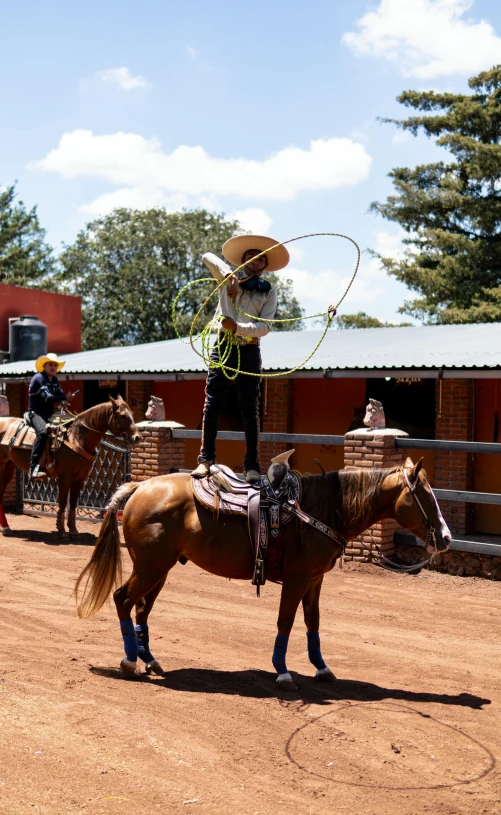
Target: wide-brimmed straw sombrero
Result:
[41, 361]
[236, 247]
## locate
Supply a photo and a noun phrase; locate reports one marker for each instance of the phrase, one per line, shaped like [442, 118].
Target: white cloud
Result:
[122, 78]
[369, 292]
[295, 252]
[387, 245]
[426, 38]
[133, 198]
[192, 52]
[401, 137]
[253, 220]
[141, 168]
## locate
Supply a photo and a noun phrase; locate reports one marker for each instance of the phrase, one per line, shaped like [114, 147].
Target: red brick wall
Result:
[138, 394]
[157, 453]
[276, 408]
[454, 471]
[364, 448]
[16, 394]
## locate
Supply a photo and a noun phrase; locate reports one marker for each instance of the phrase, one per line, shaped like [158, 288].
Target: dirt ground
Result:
[412, 725]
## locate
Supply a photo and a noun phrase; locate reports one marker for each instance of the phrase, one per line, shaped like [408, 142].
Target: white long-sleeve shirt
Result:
[255, 303]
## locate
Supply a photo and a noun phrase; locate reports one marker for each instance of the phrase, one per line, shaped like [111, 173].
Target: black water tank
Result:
[27, 338]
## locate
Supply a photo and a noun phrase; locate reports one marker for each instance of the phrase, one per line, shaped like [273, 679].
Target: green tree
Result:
[25, 258]
[451, 210]
[363, 320]
[129, 266]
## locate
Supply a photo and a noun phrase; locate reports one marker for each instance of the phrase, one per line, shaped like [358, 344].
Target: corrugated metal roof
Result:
[428, 347]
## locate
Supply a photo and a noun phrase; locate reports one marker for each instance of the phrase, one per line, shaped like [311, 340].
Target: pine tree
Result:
[129, 266]
[451, 210]
[25, 258]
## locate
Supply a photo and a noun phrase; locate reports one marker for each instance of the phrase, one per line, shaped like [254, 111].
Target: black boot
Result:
[36, 455]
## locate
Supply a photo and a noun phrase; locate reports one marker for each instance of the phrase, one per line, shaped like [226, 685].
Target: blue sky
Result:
[265, 110]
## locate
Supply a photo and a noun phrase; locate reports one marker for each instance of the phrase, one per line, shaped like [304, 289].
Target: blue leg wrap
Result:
[314, 652]
[279, 653]
[129, 638]
[143, 644]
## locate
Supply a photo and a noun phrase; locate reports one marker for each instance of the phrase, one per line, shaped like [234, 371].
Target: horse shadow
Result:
[262, 685]
[52, 538]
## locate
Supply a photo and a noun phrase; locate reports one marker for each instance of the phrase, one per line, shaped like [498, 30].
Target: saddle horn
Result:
[279, 468]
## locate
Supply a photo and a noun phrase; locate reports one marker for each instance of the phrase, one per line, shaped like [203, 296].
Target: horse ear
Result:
[113, 401]
[418, 467]
[415, 468]
[119, 398]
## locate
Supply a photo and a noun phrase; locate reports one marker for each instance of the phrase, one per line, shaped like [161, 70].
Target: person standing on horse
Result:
[45, 391]
[244, 292]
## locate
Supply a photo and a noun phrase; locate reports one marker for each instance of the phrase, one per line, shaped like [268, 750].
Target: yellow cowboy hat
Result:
[41, 361]
[235, 248]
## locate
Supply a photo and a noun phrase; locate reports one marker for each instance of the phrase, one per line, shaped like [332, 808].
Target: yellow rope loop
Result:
[225, 339]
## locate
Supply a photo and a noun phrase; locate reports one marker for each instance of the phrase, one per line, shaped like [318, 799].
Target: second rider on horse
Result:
[244, 292]
[45, 392]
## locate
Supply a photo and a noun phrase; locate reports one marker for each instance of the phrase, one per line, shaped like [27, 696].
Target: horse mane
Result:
[92, 417]
[347, 495]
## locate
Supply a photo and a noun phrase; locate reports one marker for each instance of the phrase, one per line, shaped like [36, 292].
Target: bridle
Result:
[430, 529]
[116, 417]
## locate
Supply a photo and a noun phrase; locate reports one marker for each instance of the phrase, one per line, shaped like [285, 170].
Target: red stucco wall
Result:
[487, 468]
[60, 312]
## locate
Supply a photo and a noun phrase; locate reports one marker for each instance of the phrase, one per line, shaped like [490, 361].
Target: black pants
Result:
[40, 427]
[248, 401]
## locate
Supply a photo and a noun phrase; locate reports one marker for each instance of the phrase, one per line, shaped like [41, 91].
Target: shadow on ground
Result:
[262, 685]
[51, 538]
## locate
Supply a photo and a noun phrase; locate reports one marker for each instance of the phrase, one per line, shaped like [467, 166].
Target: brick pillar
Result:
[454, 471]
[276, 410]
[157, 452]
[373, 448]
[138, 392]
[14, 395]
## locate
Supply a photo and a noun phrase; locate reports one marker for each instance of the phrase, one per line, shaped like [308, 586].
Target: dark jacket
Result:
[44, 394]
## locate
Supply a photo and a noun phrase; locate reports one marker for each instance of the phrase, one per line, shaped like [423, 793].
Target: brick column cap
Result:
[367, 432]
[146, 423]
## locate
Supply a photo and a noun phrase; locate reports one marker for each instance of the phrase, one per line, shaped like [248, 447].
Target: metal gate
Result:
[110, 469]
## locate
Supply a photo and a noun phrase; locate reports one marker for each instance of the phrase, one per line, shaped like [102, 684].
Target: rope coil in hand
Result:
[225, 338]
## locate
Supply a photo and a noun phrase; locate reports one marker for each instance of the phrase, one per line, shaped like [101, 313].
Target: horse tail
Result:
[104, 569]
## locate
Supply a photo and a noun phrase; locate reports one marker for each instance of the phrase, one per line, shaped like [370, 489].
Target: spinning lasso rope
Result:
[225, 339]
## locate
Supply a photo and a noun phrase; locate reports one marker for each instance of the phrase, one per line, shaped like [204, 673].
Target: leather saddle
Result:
[22, 435]
[19, 434]
[266, 510]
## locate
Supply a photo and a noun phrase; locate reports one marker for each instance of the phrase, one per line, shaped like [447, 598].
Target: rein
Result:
[340, 539]
[123, 433]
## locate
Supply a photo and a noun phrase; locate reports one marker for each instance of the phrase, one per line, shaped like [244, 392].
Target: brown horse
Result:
[163, 522]
[72, 464]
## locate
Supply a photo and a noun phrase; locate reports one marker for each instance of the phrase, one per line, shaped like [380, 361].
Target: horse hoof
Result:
[62, 535]
[284, 682]
[128, 668]
[7, 532]
[73, 533]
[154, 667]
[325, 675]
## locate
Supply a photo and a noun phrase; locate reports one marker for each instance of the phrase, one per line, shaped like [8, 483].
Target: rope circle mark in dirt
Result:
[225, 338]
